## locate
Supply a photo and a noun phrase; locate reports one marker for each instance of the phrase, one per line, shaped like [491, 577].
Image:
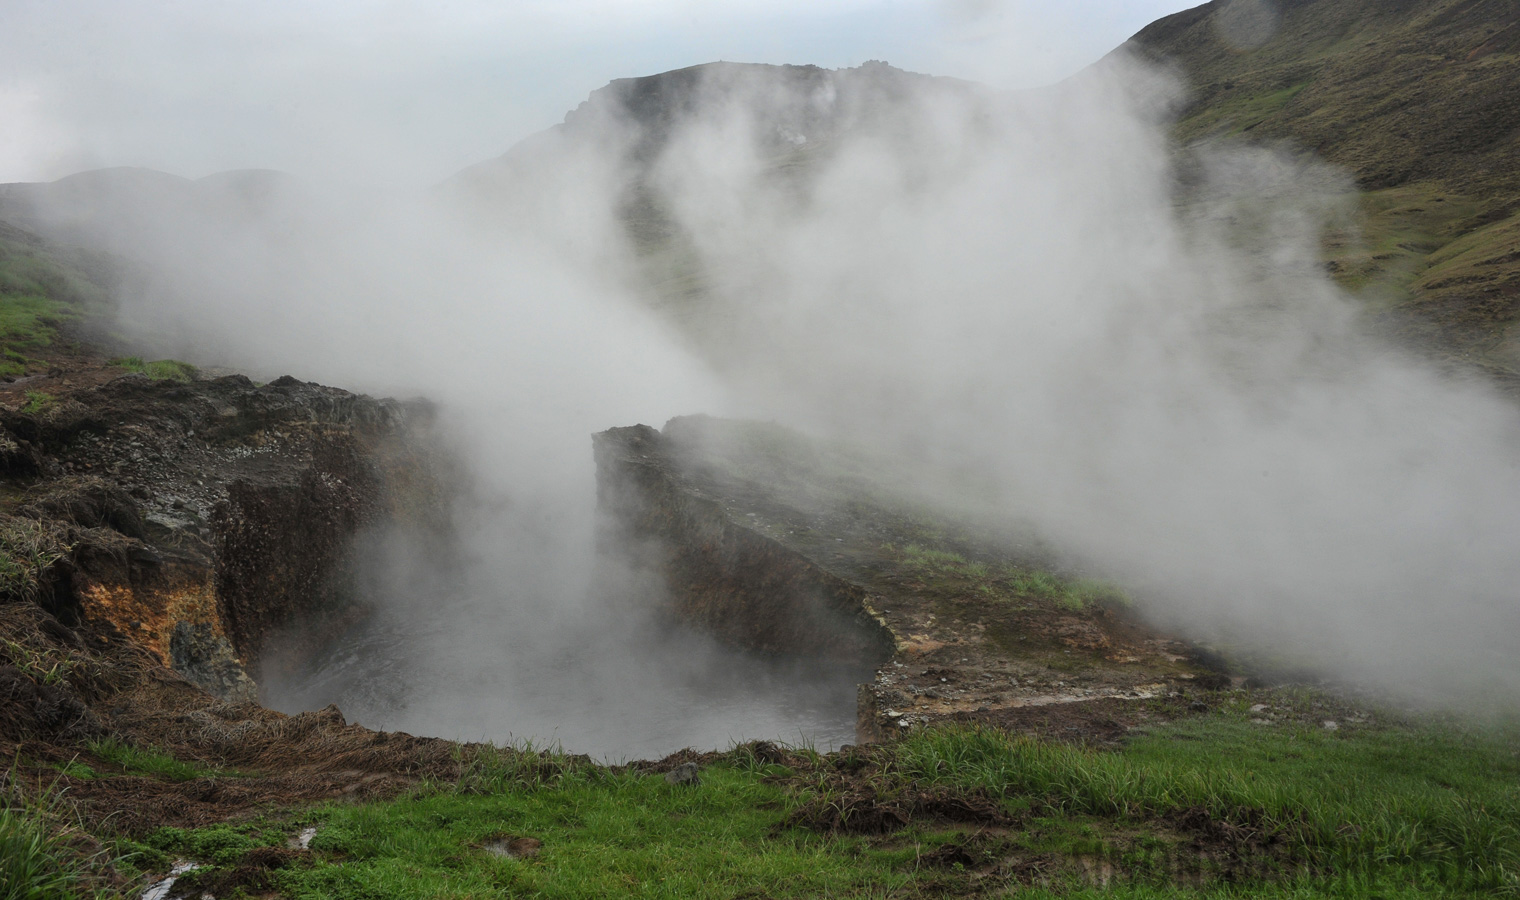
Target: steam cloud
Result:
[1174, 392]
[1141, 356]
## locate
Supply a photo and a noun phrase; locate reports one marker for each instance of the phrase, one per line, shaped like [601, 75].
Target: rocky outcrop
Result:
[206, 659]
[282, 548]
[197, 519]
[775, 542]
[742, 586]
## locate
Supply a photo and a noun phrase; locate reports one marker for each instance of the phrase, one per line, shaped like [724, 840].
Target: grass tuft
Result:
[158, 369]
[142, 761]
[28, 549]
[947, 568]
[31, 860]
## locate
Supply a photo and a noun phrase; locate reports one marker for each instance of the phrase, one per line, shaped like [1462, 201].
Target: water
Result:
[615, 693]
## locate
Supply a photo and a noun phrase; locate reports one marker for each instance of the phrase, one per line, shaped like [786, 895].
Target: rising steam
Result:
[1135, 346]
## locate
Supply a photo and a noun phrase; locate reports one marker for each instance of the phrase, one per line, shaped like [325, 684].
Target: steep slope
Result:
[1420, 101]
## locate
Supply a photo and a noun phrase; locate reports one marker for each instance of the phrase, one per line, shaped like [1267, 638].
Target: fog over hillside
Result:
[1001, 288]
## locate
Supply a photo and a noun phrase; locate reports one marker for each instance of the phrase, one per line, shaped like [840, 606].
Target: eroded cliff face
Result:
[201, 521]
[743, 586]
[778, 543]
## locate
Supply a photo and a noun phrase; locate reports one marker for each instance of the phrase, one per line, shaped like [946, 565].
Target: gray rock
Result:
[206, 660]
[685, 773]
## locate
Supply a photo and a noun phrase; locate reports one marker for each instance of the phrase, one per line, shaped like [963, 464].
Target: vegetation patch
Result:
[43, 856]
[32, 862]
[142, 761]
[40, 292]
[28, 549]
[1255, 799]
[949, 570]
[158, 369]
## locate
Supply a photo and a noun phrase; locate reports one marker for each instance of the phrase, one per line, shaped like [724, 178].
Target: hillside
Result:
[1420, 101]
[626, 137]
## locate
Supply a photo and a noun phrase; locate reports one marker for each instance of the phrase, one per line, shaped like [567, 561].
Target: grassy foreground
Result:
[1255, 798]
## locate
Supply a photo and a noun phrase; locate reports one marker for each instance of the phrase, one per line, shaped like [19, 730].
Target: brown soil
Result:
[1103, 722]
[850, 805]
[250, 875]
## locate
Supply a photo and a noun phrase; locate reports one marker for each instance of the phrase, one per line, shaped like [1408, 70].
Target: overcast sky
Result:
[407, 92]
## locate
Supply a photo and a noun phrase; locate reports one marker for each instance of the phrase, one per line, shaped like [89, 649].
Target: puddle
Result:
[161, 889]
[302, 841]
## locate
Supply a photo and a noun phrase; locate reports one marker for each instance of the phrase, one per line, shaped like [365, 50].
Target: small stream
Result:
[615, 694]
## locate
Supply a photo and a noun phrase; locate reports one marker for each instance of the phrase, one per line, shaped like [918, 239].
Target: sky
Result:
[403, 93]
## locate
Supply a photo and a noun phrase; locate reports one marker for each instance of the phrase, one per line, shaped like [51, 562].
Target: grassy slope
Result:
[40, 290]
[50, 293]
[1420, 101]
[1236, 803]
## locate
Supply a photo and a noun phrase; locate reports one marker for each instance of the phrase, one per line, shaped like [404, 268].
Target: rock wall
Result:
[200, 520]
[783, 543]
[282, 549]
[742, 586]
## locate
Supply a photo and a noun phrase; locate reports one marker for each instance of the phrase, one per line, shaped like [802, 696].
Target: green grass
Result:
[38, 860]
[143, 761]
[934, 562]
[1490, 247]
[159, 369]
[32, 866]
[603, 834]
[1387, 810]
[40, 291]
[1431, 805]
[76, 769]
[1239, 114]
[37, 403]
[948, 569]
[221, 845]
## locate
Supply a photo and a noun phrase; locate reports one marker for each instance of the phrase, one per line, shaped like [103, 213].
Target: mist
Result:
[1133, 345]
[1136, 347]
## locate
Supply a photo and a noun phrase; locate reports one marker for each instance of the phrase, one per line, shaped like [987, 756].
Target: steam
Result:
[1141, 357]
[1171, 391]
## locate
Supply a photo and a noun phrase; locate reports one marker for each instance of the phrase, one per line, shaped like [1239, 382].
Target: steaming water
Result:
[685, 692]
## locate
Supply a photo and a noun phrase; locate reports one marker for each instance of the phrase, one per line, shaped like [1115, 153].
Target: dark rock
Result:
[282, 550]
[744, 587]
[206, 660]
[685, 773]
[86, 501]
